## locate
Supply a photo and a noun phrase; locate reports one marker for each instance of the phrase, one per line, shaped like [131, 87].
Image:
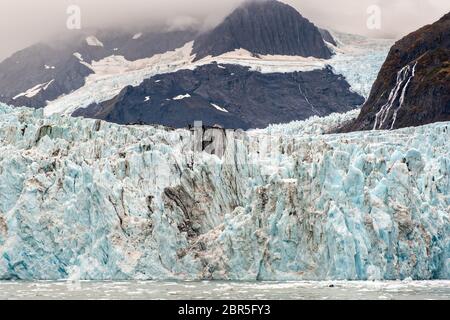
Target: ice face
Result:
[84, 199]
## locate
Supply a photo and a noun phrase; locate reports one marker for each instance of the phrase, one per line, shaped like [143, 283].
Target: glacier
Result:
[84, 199]
[359, 59]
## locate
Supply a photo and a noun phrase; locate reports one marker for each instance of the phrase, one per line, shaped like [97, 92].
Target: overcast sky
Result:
[24, 22]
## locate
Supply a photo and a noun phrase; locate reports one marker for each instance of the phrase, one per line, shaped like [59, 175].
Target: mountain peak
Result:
[264, 27]
[252, 5]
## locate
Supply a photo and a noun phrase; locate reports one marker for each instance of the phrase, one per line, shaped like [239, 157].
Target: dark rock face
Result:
[413, 86]
[326, 35]
[248, 99]
[264, 27]
[36, 65]
[146, 45]
[42, 63]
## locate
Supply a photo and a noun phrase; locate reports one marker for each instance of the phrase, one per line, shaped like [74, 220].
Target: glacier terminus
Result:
[89, 200]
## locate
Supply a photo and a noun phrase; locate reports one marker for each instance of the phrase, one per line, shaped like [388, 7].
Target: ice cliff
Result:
[84, 199]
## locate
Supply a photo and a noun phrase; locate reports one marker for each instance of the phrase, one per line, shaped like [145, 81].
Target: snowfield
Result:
[357, 58]
[85, 199]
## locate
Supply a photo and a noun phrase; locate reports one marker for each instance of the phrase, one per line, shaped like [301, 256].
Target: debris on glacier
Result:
[86, 199]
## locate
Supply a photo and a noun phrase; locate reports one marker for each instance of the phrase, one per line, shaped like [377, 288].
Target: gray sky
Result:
[24, 22]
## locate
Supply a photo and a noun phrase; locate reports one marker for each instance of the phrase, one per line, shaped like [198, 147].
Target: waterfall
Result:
[404, 77]
[402, 97]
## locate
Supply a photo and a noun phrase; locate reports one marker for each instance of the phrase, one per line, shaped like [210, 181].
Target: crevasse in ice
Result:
[84, 199]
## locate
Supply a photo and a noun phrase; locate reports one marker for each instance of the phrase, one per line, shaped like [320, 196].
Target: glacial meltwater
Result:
[153, 290]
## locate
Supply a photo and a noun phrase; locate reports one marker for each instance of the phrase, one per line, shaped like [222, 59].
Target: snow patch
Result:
[94, 42]
[219, 108]
[78, 56]
[181, 97]
[30, 93]
[266, 63]
[137, 36]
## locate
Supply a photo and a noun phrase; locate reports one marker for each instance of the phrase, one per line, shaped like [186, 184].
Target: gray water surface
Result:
[152, 290]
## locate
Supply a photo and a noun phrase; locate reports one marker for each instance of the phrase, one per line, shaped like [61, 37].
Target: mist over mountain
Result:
[264, 27]
[264, 64]
[23, 22]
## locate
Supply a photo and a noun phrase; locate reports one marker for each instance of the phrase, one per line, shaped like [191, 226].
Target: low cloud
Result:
[398, 17]
[24, 22]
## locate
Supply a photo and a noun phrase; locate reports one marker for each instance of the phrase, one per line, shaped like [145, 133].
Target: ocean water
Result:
[153, 290]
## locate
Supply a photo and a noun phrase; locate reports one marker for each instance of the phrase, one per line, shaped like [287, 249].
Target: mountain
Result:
[45, 71]
[265, 27]
[413, 86]
[327, 36]
[231, 96]
[275, 70]
[83, 199]
[224, 92]
[40, 73]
